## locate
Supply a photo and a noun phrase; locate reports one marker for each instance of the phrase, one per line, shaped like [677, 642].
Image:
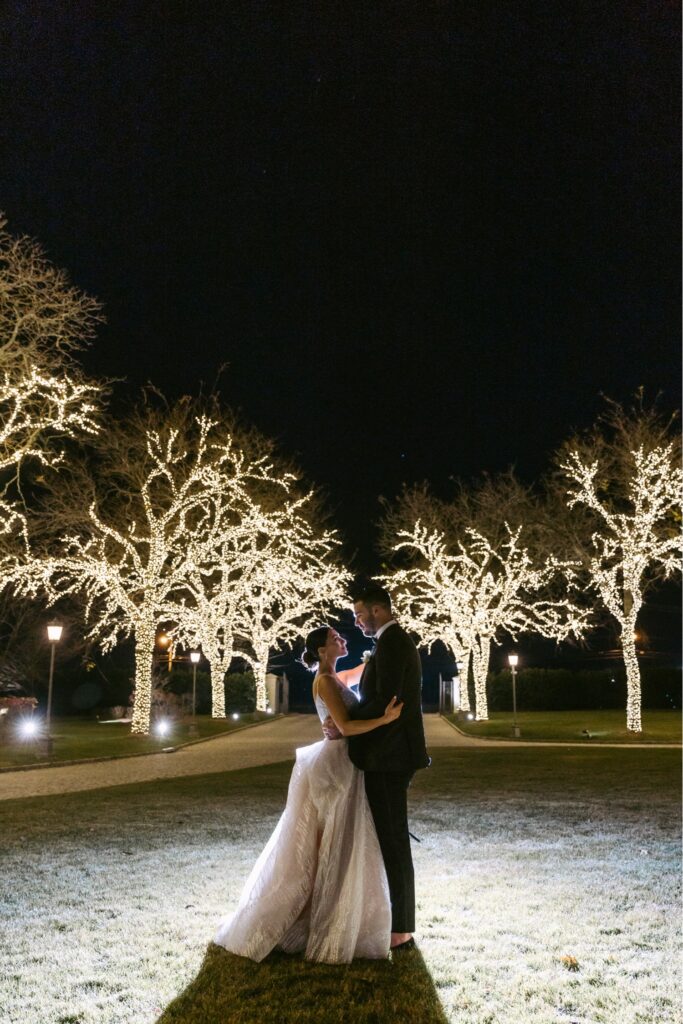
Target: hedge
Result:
[555, 689]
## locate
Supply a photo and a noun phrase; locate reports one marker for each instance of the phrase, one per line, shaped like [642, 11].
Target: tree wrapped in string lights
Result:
[208, 609]
[471, 594]
[288, 591]
[624, 483]
[44, 396]
[159, 478]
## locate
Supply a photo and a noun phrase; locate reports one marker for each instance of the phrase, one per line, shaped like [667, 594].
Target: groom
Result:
[390, 755]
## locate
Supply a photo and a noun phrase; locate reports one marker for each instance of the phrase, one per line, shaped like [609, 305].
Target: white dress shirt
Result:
[391, 622]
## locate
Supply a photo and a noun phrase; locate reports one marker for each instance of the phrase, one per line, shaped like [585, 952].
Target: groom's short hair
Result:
[371, 594]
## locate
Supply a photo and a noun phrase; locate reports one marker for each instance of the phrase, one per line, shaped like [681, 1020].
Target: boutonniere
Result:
[365, 656]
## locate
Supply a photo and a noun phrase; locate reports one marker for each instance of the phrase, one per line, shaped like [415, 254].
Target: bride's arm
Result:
[351, 676]
[327, 688]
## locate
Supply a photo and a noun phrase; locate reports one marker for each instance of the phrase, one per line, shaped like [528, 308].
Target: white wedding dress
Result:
[319, 886]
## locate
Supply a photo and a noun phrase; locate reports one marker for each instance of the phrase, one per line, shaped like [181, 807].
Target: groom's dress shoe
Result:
[408, 944]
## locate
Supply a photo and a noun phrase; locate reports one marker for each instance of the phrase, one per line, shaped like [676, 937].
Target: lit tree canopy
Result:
[152, 497]
[625, 477]
[468, 595]
[288, 590]
[44, 397]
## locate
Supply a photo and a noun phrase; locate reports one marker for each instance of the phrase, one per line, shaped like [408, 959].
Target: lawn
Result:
[76, 738]
[603, 726]
[527, 856]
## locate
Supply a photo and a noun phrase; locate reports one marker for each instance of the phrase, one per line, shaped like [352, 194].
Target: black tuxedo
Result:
[393, 671]
[389, 756]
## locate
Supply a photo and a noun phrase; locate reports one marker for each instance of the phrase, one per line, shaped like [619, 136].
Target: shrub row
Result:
[555, 689]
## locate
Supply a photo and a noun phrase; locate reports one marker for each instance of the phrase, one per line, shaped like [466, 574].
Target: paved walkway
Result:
[264, 744]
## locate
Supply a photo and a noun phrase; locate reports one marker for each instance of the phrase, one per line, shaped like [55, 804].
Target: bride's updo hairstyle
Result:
[316, 639]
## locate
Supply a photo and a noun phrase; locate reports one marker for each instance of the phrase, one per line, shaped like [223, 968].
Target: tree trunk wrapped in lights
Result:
[626, 477]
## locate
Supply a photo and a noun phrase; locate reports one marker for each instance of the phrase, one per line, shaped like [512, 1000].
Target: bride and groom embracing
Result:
[335, 879]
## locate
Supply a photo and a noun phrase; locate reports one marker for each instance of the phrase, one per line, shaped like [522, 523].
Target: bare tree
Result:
[135, 522]
[476, 571]
[623, 482]
[467, 598]
[44, 396]
[288, 590]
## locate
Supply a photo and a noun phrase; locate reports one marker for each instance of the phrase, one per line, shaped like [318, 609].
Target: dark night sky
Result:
[423, 235]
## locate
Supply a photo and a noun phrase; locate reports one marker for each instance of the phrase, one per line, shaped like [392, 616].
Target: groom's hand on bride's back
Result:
[330, 730]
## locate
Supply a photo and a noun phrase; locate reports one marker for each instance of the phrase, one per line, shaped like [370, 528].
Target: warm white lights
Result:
[468, 594]
[44, 398]
[210, 543]
[637, 532]
[513, 660]
[54, 632]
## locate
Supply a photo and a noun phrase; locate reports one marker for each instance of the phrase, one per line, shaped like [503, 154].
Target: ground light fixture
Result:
[513, 660]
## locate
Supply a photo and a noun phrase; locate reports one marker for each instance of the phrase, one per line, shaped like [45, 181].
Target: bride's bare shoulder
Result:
[324, 680]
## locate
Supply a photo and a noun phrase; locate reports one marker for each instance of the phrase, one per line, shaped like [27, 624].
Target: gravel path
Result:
[263, 744]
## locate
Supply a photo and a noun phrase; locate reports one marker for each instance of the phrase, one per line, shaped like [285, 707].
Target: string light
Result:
[638, 535]
[43, 395]
[466, 598]
[203, 556]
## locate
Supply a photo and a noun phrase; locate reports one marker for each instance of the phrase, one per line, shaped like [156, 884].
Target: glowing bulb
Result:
[194, 657]
[29, 727]
[54, 632]
[235, 715]
[470, 716]
[513, 660]
[163, 728]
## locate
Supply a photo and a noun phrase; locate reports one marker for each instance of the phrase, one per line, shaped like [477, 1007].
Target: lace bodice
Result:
[348, 696]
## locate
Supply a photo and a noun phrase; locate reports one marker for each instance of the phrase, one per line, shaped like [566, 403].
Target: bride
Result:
[319, 885]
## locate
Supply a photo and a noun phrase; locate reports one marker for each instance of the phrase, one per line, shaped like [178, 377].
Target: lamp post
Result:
[514, 661]
[163, 640]
[194, 658]
[54, 635]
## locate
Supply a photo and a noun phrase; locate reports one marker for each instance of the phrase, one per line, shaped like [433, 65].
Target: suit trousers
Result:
[387, 794]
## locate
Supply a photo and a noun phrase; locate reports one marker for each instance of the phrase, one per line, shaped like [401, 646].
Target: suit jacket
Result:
[393, 669]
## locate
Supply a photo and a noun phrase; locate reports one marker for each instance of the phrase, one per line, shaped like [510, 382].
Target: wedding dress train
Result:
[319, 884]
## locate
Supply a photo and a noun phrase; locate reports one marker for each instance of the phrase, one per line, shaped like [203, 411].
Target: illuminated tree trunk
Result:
[217, 676]
[144, 656]
[260, 666]
[219, 663]
[481, 653]
[633, 693]
[465, 683]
